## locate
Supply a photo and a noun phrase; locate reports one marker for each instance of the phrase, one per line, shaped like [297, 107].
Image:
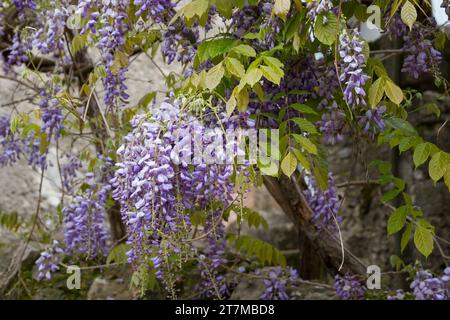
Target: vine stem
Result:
[36, 215]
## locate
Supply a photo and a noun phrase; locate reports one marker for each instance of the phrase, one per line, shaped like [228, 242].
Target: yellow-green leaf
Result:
[437, 166]
[252, 76]
[326, 32]
[231, 105]
[408, 14]
[423, 237]
[235, 67]
[396, 220]
[214, 76]
[376, 92]
[270, 75]
[394, 93]
[305, 143]
[281, 8]
[245, 50]
[289, 164]
[421, 153]
[406, 236]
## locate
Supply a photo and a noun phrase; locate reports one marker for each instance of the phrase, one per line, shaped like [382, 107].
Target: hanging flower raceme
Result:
[352, 75]
[372, 121]
[349, 287]
[428, 287]
[421, 56]
[85, 227]
[10, 143]
[277, 283]
[49, 261]
[162, 178]
[107, 20]
[324, 204]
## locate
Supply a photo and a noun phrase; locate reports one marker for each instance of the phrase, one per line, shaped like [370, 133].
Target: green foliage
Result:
[11, 221]
[118, 254]
[265, 252]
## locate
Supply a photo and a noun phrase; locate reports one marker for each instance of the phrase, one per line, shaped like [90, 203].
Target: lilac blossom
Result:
[11, 145]
[372, 121]
[421, 56]
[277, 283]
[428, 287]
[324, 204]
[332, 124]
[49, 261]
[348, 287]
[352, 75]
[85, 227]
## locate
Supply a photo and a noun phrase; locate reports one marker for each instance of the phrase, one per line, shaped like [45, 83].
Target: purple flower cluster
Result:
[85, 226]
[352, 75]
[428, 287]
[51, 112]
[332, 124]
[421, 56]
[179, 42]
[69, 171]
[348, 287]
[17, 54]
[11, 145]
[372, 121]
[23, 5]
[318, 7]
[50, 36]
[110, 17]
[277, 283]
[212, 283]
[324, 204]
[49, 261]
[254, 18]
[158, 187]
[157, 10]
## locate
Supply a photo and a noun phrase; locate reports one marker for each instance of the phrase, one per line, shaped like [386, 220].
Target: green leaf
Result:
[305, 143]
[423, 237]
[214, 76]
[305, 125]
[437, 166]
[326, 33]
[408, 14]
[270, 169]
[406, 236]
[225, 7]
[231, 105]
[433, 108]
[245, 50]
[196, 8]
[394, 93]
[252, 77]
[447, 177]
[302, 159]
[408, 142]
[235, 67]
[289, 164]
[421, 153]
[396, 220]
[281, 8]
[270, 75]
[388, 196]
[213, 48]
[402, 125]
[376, 92]
[118, 254]
[303, 108]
